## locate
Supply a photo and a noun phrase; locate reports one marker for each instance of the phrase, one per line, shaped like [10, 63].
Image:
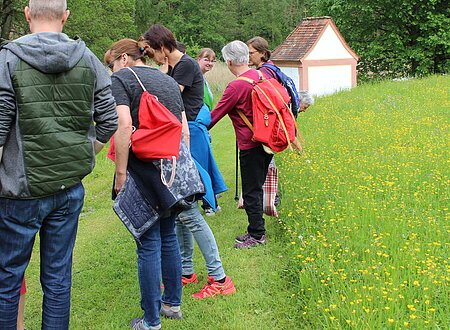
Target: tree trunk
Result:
[6, 18]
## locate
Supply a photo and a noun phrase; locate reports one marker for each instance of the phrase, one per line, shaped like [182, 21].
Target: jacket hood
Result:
[48, 52]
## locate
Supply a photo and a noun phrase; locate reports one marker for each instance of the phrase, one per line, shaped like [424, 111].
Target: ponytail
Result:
[138, 50]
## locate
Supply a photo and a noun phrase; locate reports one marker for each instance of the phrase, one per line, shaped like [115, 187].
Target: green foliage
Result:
[393, 38]
[100, 23]
[12, 21]
[213, 25]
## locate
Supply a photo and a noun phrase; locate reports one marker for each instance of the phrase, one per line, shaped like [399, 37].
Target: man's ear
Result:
[27, 14]
[65, 16]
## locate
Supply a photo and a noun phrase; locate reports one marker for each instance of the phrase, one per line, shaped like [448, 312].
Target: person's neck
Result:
[260, 64]
[174, 57]
[139, 63]
[55, 27]
[240, 69]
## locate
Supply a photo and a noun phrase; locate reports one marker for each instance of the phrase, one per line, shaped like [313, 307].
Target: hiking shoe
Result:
[186, 280]
[213, 288]
[242, 238]
[251, 242]
[139, 324]
[171, 312]
[209, 212]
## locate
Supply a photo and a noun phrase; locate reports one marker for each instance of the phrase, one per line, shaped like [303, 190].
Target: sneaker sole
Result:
[248, 247]
[238, 240]
[219, 294]
[173, 316]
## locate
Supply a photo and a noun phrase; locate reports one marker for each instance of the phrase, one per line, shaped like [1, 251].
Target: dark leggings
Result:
[254, 166]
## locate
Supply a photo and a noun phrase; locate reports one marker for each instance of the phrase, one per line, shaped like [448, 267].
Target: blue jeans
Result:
[158, 253]
[55, 217]
[190, 224]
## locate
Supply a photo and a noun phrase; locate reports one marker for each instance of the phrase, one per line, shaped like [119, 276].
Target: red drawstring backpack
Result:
[158, 136]
[273, 122]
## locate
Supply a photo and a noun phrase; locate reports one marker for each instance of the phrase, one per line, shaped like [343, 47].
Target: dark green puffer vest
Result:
[54, 116]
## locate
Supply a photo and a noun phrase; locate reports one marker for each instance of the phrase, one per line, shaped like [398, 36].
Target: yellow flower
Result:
[391, 320]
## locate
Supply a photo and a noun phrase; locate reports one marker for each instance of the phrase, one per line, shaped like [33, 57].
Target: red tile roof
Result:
[303, 38]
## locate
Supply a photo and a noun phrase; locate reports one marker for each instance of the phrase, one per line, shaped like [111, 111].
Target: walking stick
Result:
[236, 197]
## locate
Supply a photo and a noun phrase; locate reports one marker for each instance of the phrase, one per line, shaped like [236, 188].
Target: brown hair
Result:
[159, 36]
[135, 49]
[208, 53]
[261, 45]
[181, 47]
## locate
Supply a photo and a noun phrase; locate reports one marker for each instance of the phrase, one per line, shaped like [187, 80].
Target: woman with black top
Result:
[190, 224]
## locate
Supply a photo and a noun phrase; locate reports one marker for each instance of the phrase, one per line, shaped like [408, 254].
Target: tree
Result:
[6, 18]
[393, 37]
[12, 22]
[199, 24]
[100, 23]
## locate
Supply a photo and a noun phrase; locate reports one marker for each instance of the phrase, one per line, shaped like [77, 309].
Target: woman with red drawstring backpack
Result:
[157, 247]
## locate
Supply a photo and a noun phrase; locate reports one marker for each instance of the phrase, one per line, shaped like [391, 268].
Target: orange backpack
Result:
[273, 122]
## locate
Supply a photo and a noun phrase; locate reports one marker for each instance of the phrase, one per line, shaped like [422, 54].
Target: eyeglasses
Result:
[111, 64]
[208, 60]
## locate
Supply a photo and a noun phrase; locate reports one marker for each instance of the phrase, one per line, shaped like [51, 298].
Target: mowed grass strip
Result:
[106, 293]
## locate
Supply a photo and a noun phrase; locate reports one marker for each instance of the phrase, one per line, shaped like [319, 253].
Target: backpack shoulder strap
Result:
[139, 80]
[249, 80]
[245, 119]
[270, 66]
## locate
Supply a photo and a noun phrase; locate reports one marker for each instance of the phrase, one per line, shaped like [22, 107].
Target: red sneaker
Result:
[213, 288]
[186, 281]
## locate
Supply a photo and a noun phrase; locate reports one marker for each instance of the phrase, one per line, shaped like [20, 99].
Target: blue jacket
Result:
[203, 156]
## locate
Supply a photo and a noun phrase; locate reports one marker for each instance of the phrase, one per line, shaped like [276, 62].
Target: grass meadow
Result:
[361, 243]
[366, 208]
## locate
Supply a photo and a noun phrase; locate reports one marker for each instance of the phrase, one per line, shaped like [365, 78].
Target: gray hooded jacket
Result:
[51, 56]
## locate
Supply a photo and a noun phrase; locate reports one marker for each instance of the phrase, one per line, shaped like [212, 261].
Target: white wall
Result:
[324, 80]
[292, 72]
[329, 46]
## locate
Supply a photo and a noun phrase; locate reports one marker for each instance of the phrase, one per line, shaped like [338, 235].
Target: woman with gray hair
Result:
[306, 100]
[253, 159]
